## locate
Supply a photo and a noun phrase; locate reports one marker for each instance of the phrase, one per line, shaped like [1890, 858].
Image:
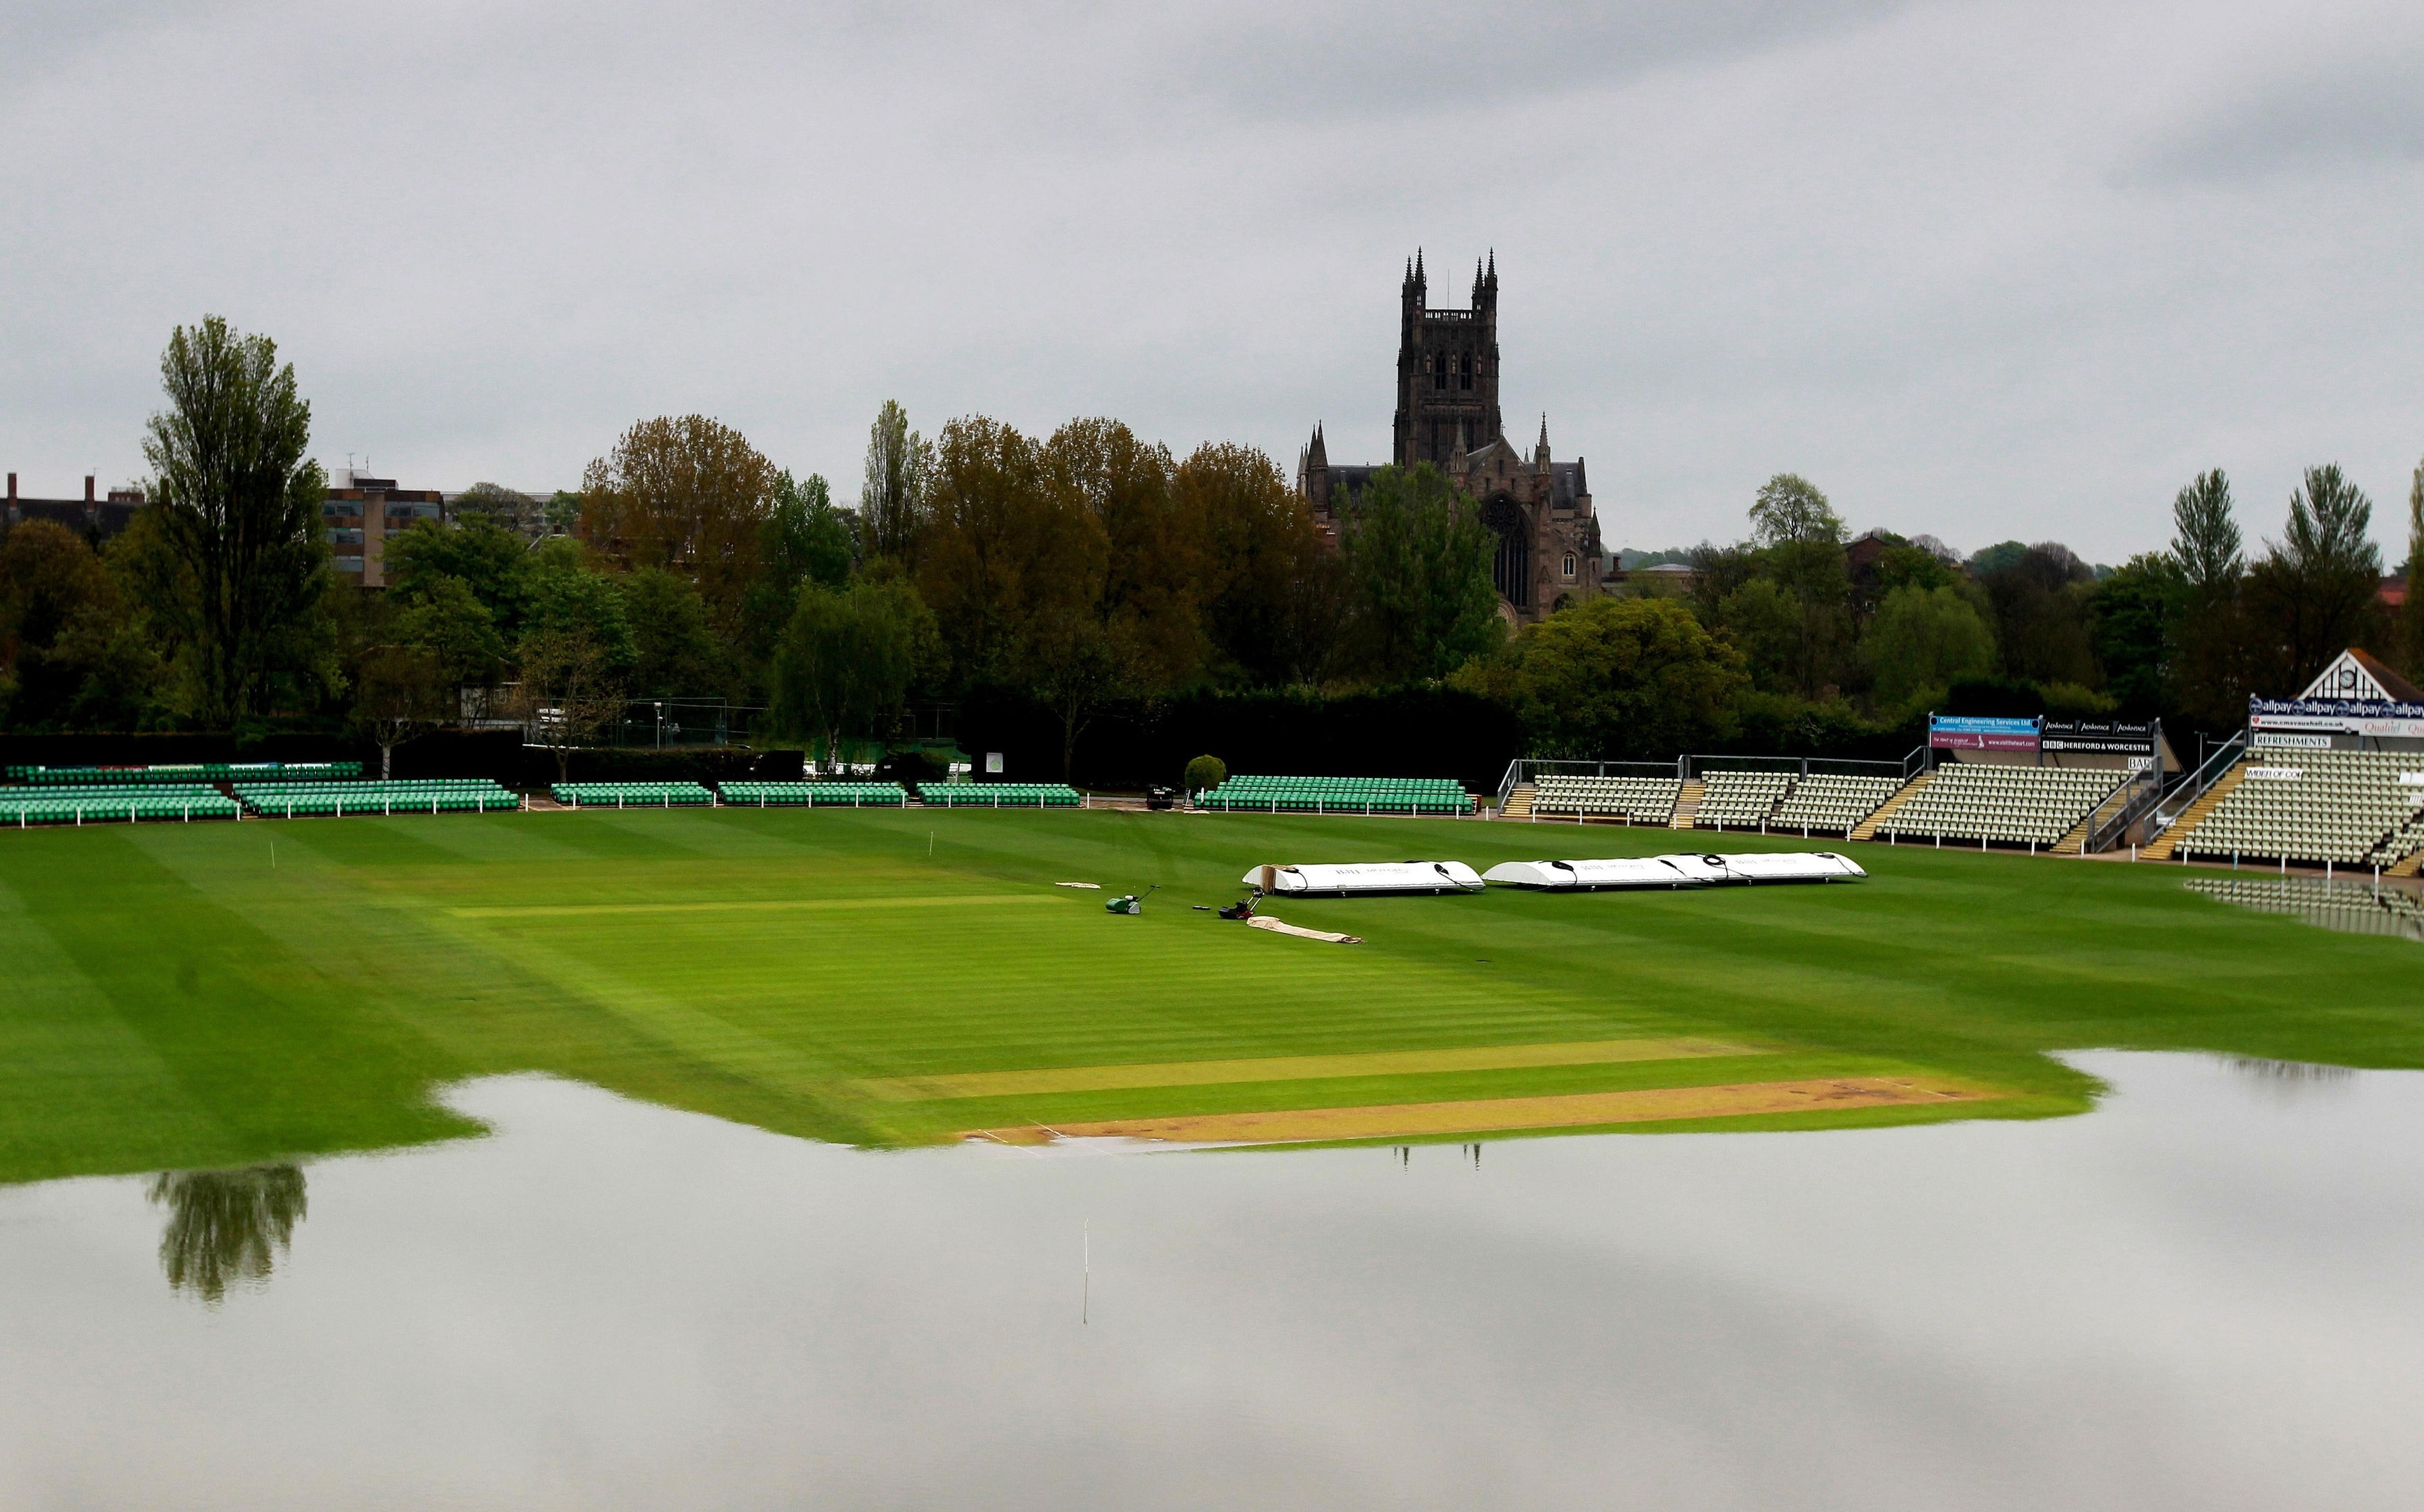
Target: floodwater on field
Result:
[2352, 907]
[2209, 1293]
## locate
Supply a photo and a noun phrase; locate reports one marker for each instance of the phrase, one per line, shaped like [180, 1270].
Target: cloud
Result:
[2360, 114]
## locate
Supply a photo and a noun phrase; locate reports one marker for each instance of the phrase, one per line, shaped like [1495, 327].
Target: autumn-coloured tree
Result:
[686, 495]
[1273, 600]
[1001, 549]
[1150, 589]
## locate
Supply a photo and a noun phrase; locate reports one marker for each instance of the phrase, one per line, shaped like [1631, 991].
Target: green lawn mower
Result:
[1131, 902]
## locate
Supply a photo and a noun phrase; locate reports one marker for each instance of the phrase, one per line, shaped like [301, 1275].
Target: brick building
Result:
[1540, 509]
[95, 520]
[361, 511]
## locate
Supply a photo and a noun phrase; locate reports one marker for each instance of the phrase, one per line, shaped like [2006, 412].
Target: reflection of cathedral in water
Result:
[226, 1228]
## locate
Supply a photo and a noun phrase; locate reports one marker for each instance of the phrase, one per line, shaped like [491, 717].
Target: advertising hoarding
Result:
[1971, 732]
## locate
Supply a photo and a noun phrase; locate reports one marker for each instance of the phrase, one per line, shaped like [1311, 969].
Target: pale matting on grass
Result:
[749, 905]
[1287, 1068]
[1576, 1110]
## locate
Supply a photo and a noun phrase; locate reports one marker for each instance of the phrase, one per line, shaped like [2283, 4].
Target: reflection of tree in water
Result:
[226, 1226]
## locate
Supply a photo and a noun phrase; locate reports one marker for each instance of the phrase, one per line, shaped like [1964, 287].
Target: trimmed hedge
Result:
[1403, 732]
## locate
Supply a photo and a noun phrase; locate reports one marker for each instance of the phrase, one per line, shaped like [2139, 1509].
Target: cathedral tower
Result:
[1547, 553]
[1447, 370]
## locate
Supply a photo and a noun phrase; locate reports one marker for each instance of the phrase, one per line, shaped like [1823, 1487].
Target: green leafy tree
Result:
[562, 513]
[568, 596]
[1790, 510]
[2210, 666]
[2206, 543]
[1615, 678]
[572, 688]
[1272, 611]
[2001, 557]
[50, 581]
[851, 658]
[1419, 558]
[805, 540]
[1076, 666]
[2040, 610]
[490, 560]
[1764, 619]
[1205, 772]
[2313, 594]
[1921, 641]
[399, 691]
[892, 500]
[239, 500]
[516, 511]
[674, 650]
[2134, 618]
[447, 620]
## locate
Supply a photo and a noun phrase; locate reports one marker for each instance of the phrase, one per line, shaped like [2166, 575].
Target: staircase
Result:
[2076, 841]
[1687, 804]
[2170, 839]
[1867, 828]
[2407, 866]
[1519, 800]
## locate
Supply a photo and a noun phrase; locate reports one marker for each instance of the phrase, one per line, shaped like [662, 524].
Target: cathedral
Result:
[1540, 510]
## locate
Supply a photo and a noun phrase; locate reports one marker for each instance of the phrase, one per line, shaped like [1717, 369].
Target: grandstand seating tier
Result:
[2347, 807]
[24, 808]
[1830, 802]
[999, 795]
[1339, 795]
[396, 798]
[1638, 799]
[633, 795]
[1737, 799]
[813, 794]
[1998, 804]
[208, 772]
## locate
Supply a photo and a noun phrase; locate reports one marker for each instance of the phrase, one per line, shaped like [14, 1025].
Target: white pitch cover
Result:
[1689, 870]
[1368, 877]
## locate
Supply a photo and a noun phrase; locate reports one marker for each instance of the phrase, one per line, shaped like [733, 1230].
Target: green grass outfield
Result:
[170, 997]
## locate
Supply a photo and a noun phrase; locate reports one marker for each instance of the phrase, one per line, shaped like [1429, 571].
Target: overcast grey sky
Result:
[1983, 270]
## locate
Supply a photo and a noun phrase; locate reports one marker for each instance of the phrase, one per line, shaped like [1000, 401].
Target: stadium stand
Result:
[2007, 804]
[101, 803]
[999, 795]
[1737, 800]
[352, 800]
[1827, 802]
[1634, 800]
[633, 795]
[2344, 807]
[204, 772]
[1338, 795]
[813, 794]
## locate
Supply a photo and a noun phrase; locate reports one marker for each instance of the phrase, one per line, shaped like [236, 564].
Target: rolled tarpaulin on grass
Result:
[1263, 922]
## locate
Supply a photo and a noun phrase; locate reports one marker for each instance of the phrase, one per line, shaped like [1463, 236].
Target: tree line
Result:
[1089, 570]
[1798, 639]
